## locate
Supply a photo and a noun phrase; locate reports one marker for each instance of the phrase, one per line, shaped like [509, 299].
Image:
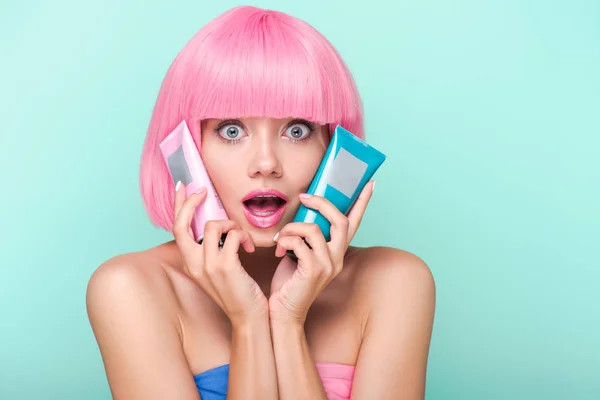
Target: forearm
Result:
[252, 373]
[297, 374]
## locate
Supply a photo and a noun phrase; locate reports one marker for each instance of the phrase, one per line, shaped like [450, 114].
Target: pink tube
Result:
[184, 164]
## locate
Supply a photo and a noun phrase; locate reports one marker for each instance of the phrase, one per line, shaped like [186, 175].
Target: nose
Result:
[265, 159]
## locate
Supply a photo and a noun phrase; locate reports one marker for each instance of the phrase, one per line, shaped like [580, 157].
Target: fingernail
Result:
[201, 190]
[305, 196]
[177, 186]
[373, 187]
[275, 237]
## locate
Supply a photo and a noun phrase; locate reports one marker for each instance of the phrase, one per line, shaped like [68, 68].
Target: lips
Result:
[264, 207]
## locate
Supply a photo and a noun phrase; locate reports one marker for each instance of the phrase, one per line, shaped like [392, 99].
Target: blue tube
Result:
[347, 166]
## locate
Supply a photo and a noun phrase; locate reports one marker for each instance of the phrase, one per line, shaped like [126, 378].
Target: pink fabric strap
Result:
[337, 380]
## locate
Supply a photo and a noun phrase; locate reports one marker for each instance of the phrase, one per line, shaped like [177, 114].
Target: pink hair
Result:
[247, 62]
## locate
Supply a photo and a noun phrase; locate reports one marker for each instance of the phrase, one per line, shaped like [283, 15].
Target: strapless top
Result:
[337, 380]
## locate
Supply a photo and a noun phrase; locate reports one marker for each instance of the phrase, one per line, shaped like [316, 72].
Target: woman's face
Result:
[259, 166]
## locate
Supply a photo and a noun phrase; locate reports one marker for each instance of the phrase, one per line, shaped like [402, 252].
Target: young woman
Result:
[261, 92]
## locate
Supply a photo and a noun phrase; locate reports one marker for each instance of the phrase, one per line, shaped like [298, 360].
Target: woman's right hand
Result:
[218, 271]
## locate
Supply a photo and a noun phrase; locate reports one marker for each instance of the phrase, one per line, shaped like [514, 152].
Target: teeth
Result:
[266, 196]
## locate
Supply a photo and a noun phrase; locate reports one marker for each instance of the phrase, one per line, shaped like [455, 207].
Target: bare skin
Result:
[157, 328]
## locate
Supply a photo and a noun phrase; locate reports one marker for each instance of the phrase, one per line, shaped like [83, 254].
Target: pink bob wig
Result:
[247, 62]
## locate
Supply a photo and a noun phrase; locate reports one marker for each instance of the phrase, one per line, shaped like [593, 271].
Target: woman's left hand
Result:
[295, 287]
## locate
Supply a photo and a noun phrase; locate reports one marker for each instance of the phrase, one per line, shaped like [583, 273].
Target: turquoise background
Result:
[489, 113]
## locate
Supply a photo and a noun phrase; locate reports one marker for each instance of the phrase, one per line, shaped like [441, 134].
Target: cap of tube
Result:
[221, 241]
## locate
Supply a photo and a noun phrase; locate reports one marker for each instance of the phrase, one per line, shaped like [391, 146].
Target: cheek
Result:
[304, 168]
[220, 172]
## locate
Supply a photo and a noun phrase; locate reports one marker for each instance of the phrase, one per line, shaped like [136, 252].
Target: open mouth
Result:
[264, 208]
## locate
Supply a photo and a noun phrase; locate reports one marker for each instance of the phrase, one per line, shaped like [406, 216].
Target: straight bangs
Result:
[271, 68]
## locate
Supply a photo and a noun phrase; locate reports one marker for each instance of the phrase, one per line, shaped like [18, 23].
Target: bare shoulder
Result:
[385, 273]
[399, 292]
[394, 286]
[135, 267]
[133, 312]
[130, 283]
[130, 275]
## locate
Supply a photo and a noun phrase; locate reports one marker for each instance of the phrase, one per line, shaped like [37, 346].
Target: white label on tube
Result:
[346, 172]
[178, 167]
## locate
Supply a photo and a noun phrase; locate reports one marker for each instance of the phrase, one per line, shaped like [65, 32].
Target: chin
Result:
[262, 239]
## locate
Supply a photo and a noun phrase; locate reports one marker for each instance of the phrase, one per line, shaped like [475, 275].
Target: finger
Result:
[213, 231]
[179, 198]
[296, 244]
[339, 222]
[178, 201]
[310, 232]
[284, 272]
[358, 210]
[181, 225]
[197, 273]
[235, 238]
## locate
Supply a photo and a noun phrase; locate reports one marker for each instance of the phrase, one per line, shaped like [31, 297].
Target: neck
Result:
[260, 265]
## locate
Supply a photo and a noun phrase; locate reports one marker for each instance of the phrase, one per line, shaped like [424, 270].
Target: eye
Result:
[298, 131]
[230, 131]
